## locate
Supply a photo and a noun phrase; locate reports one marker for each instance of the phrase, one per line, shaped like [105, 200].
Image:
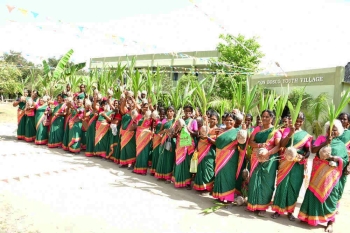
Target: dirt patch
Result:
[8, 113]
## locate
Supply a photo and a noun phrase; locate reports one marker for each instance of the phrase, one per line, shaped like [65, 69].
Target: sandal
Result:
[274, 215]
[261, 213]
[291, 217]
[188, 187]
[167, 181]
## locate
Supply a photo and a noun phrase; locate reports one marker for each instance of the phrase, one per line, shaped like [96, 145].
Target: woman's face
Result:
[170, 113]
[26, 93]
[68, 88]
[41, 101]
[248, 121]
[266, 119]
[344, 121]
[285, 121]
[335, 132]
[161, 115]
[79, 104]
[188, 113]
[258, 121]
[144, 108]
[229, 122]
[237, 123]
[299, 123]
[213, 120]
[116, 104]
[59, 99]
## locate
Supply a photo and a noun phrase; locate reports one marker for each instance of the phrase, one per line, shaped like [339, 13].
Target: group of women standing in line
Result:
[141, 137]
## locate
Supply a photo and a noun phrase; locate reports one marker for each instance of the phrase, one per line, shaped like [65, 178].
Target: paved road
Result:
[49, 191]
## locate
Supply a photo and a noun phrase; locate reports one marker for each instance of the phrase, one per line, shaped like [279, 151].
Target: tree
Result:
[9, 79]
[239, 57]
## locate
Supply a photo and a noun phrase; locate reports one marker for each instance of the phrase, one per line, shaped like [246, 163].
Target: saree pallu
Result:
[143, 145]
[263, 174]
[102, 136]
[166, 160]
[90, 136]
[290, 177]
[21, 121]
[127, 141]
[41, 130]
[204, 178]
[66, 132]
[226, 163]
[84, 127]
[156, 141]
[321, 197]
[75, 124]
[30, 131]
[57, 127]
[345, 138]
[114, 146]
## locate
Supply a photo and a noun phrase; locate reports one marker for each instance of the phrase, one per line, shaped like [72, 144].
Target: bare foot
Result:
[261, 213]
[329, 227]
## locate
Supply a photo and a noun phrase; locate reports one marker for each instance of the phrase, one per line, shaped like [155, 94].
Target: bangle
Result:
[259, 145]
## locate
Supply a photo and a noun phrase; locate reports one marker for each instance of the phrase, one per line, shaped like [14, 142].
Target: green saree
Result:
[56, 127]
[41, 137]
[321, 197]
[165, 166]
[127, 141]
[90, 136]
[66, 131]
[157, 139]
[226, 163]
[181, 175]
[75, 124]
[345, 138]
[21, 121]
[30, 131]
[101, 135]
[204, 178]
[262, 181]
[290, 176]
[143, 145]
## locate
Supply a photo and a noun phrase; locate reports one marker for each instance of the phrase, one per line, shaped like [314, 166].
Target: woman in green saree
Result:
[30, 131]
[85, 123]
[226, 161]
[21, 117]
[41, 112]
[345, 138]
[165, 166]
[57, 124]
[114, 139]
[102, 128]
[204, 178]
[290, 174]
[127, 132]
[143, 140]
[68, 113]
[91, 118]
[265, 143]
[182, 176]
[157, 139]
[321, 198]
[75, 124]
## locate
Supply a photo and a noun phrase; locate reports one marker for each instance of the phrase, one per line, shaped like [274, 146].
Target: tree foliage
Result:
[10, 81]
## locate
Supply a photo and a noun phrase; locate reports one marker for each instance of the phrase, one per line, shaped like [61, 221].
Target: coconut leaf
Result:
[334, 112]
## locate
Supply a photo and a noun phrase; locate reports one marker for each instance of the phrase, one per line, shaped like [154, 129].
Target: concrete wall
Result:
[316, 81]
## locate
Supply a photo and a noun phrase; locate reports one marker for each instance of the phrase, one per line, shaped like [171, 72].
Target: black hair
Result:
[60, 95]
[170, 108]
[250, 116]
[103, 102]
[188, 106]
[343, 114]
[233, 116]
[213, 113]
[209, 112]
[271, 113]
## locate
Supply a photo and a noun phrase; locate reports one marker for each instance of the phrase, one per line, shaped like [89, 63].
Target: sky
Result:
[297, 34]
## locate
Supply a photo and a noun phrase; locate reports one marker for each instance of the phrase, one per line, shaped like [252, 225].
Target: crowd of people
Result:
[240, 160]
